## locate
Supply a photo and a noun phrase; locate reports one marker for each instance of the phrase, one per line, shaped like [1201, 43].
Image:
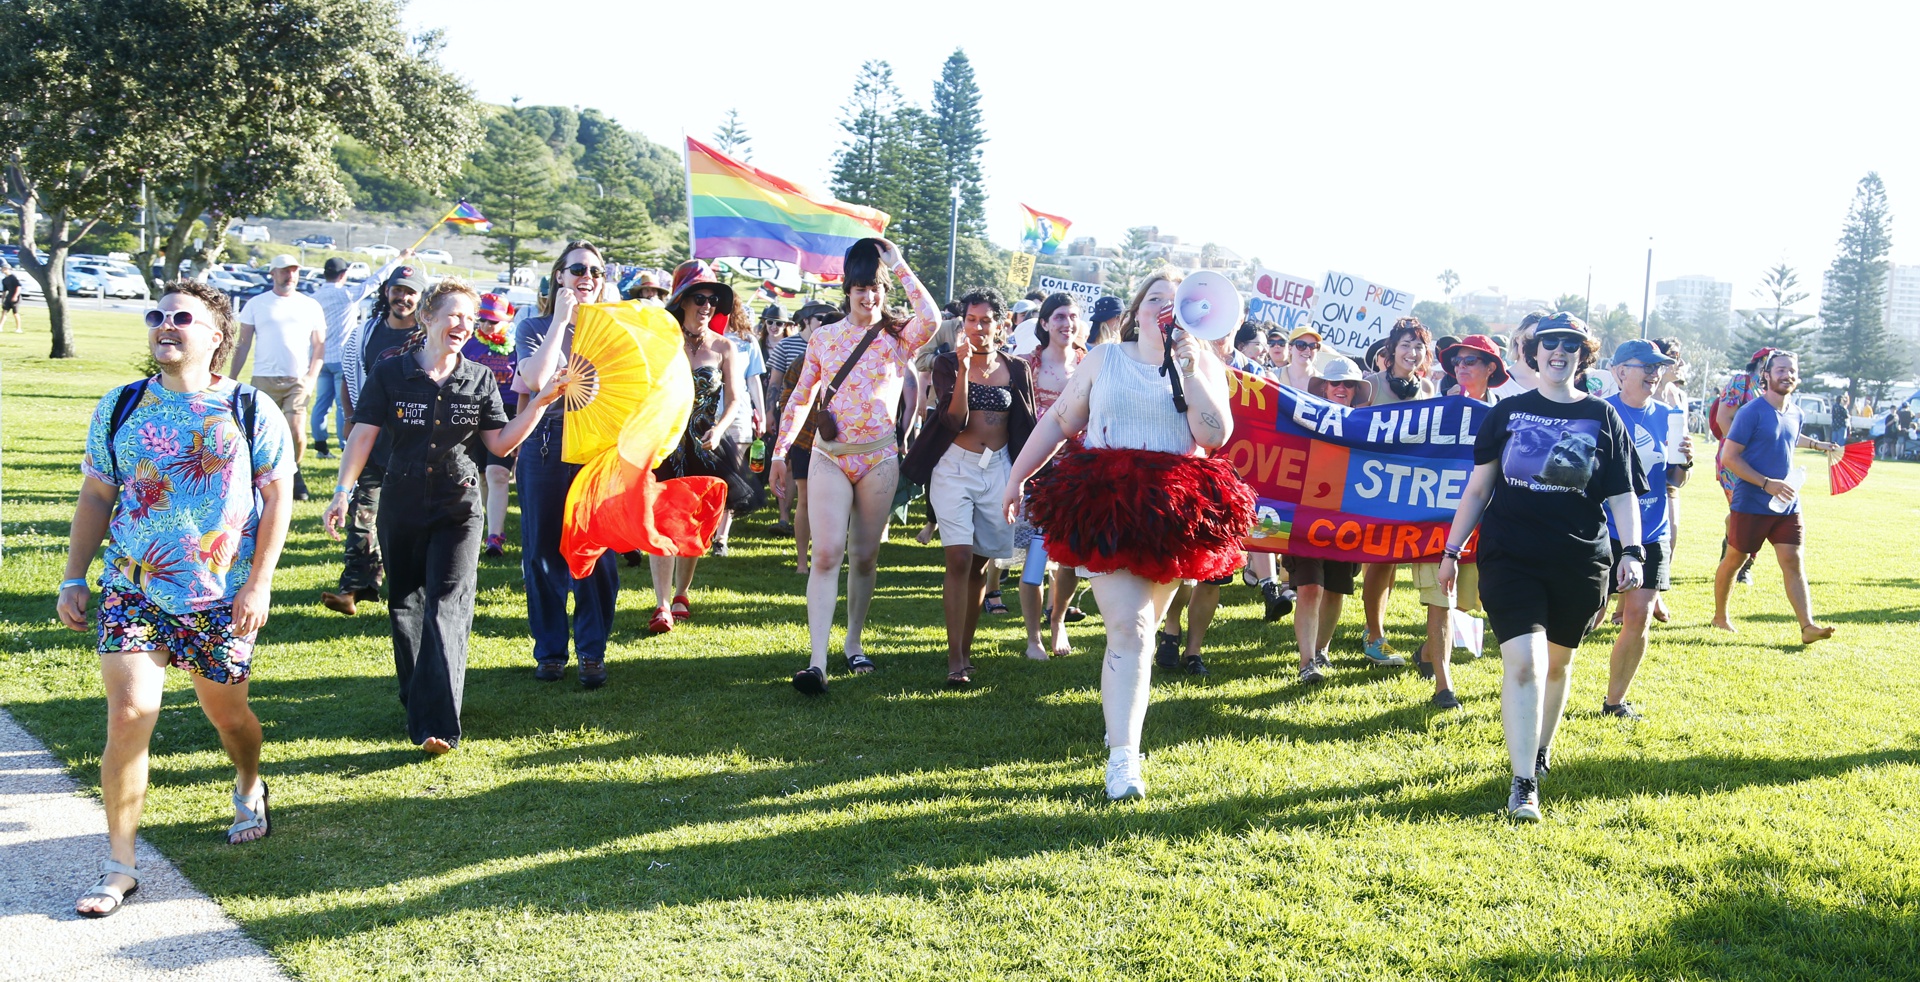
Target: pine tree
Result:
[957, 116]
[915, 192]
[513, 176]
[732, 139]
[1775, 325]
[1854, 339]
[867, 118]
[619, 225]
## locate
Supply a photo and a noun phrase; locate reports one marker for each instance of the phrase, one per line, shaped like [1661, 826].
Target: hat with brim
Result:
[1304, 331]
[1561, 324]
[1342, 369]
[642, 281]
[1479, 344]
[1106, 309]
[693, 273]
[1643, 352]
[494, 307]
[1373, 353]
[284, 261]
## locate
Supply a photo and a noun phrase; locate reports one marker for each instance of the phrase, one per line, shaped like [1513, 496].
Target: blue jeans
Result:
[332, 381]
[544, 479]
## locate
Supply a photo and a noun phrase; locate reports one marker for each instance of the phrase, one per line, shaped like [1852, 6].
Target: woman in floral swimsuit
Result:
[855, 474]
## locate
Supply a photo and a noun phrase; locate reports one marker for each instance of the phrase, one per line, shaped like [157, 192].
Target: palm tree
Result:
[1448, 280]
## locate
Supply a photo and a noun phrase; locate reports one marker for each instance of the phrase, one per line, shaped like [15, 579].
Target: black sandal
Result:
[860, 664]
[959, 680]
[994, 604]
[1167, 653]
[810, 681]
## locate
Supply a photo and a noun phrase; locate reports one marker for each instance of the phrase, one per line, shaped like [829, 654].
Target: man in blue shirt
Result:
[1759, 450]
[1659, 433]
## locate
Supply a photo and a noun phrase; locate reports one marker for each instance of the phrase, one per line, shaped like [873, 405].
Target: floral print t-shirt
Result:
[187, 514]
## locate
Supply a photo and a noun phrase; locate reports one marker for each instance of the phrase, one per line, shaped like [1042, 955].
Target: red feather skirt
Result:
[1159, 516]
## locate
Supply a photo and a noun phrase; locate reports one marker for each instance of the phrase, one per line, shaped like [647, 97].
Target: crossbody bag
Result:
[820, 421]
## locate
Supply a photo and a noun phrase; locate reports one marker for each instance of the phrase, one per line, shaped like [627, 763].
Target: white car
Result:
[357, 271]
[381, 251]
[252, 233]
[435, 256]
[106, 280]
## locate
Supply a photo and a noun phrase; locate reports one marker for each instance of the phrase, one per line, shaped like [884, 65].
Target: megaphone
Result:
[1207, 306]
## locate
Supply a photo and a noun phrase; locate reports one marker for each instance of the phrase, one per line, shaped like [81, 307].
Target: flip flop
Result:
[100, 889]
[260, 817]
[811, 681]
[959, 680]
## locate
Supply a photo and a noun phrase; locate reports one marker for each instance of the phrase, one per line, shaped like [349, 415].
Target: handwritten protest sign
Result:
[1020, 273]
[1281, 299]
[1352, 313]
[1362, 485]
[1085, 293]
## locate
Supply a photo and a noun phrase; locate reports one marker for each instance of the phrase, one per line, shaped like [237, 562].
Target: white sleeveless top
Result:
[1131, 408]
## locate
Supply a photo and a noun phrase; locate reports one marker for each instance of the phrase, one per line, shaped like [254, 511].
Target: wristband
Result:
[342, 489]
[1452, 551]
[64, 584]
[1636, 553]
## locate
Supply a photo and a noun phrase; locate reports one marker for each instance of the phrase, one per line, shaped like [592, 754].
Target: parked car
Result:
[100, 279]
[358, 271]
[233, 284]
[315, 241]
[380, 251]
[435, 256]
[253, 233]
[246, 272]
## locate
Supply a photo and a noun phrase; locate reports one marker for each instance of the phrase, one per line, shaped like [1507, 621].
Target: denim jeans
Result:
[544, 480]
[332, 381]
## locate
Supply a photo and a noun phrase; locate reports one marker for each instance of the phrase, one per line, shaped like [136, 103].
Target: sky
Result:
[1520, 145]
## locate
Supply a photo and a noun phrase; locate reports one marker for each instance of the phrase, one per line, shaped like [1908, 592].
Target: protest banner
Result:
[1020, 273]
[1085, 293]
[1362, 485]
[1352, 313]
[1277, 298]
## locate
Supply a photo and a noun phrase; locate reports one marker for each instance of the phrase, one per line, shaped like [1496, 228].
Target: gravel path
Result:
[53, 839]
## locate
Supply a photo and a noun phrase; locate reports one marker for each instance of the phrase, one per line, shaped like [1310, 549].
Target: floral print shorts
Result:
[201, 642]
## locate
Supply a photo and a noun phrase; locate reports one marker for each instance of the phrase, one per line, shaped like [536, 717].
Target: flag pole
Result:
[686, 162]
[430, 228]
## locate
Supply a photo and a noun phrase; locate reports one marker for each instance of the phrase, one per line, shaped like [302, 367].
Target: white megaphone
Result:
[1207, 306]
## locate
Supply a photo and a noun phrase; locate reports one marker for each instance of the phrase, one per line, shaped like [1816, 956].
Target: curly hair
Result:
[218, 305]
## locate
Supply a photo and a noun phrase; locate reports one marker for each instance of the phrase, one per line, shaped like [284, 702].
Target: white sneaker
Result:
[1123, 776]
[1523, 802]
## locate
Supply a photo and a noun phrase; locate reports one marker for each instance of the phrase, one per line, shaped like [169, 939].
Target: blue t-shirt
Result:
[1766, 436]
[1652, 427]
[188, 511]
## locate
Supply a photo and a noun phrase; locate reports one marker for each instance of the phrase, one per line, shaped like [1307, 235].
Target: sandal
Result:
[258, 815]
[662, 621]
[682, 610]
[860, 664]
[959, 679]
[1167, 653]
[1074, 615]
[811, 681]
[994, 604]
[100, 889]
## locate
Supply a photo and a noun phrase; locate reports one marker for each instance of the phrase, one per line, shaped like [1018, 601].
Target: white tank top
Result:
[1131, 408]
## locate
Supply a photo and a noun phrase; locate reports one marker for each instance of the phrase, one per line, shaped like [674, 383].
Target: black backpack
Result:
[245, 401]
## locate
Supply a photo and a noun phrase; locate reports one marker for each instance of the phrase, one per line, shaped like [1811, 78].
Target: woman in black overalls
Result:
[440, 406]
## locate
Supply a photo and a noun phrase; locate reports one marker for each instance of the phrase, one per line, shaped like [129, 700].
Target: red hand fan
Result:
[1848, 466]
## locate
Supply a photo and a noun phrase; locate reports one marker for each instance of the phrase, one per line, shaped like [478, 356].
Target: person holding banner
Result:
[1322, 586]
[1409, 351]
[1141, 507]
[1548, 464]
[844, 402]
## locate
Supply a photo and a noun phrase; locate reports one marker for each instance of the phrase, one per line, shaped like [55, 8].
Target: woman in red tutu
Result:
[1139, 508]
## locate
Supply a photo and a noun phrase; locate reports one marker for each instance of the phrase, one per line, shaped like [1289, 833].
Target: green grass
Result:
[699, 819]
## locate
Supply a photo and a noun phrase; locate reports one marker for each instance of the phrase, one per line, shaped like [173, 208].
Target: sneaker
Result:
[1321, 660]
[1424, 667]
[496, 546]
[593, 674]
[1445, 699]
[1746, 572]
[1311, 675]
[1381, 655]
[1123, 776]
[322, 450]
[1523, 802]
[300, 487]
[1167, 653]
[1624, 710]
[549, 671]
[719, 547]
[1542, 760]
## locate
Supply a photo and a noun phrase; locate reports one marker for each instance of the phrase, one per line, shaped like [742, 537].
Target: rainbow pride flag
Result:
[1046, 232]
[466, 214]
[739, 210]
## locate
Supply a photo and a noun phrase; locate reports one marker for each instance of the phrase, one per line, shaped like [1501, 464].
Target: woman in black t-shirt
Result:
[1544, 464]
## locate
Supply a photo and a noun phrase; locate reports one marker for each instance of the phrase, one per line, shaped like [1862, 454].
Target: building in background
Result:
[1489, 304]
[1691, 293]
[1903, 303]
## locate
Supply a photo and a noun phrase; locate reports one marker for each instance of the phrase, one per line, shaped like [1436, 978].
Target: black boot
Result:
[299, 487]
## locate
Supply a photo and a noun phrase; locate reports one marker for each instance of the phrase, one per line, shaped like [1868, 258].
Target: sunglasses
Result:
[1561, 342]
[703, 299]
[582, 269]
[1468, 361]
[1343, 385]
[177, 318]
[1306, 346]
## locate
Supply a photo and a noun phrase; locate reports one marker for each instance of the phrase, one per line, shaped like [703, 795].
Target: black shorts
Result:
[1562, 599]
[9, 306]
[1332, 574]
[1656, 572]
[797, 461]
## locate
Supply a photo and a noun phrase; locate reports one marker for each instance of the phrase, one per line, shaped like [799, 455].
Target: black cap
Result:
[1106, 309]
[409, 277]
[335, 266]
[772, 312]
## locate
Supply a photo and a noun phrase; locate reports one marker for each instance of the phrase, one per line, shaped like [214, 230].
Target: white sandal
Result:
[258, 815]
[100, 889]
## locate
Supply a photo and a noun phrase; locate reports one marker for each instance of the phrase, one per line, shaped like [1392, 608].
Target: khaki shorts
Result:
[289, 392]
[1466, 587]
[967, 491]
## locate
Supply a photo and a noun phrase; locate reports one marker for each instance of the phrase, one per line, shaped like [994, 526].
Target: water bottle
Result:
[757, 456]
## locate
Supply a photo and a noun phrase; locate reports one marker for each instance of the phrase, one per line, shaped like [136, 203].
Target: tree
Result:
[958, 120]
[1775, 325]
[619, 225]
[1570, 303]
[513, 176]
[914, 191]
[1137, 260]
[1448, 281]
[1436, 316]
[732, 139]
[1854, 339]
[858, 171]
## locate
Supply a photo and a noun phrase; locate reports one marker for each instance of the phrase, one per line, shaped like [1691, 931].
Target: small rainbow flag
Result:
[466, 214]
[740, 210]
[1045, 231]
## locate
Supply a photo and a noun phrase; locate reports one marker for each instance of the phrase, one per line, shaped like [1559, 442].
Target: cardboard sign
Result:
[1280, 299]
[1352, 313]
[1085, 293]
[1020, 273]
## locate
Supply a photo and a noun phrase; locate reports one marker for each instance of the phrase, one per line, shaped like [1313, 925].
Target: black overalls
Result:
[430, 526]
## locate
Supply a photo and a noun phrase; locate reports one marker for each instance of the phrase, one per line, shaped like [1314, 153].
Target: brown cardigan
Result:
[938, 433]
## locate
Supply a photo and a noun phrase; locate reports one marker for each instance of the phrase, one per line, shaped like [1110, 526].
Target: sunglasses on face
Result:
[1343, 385]
[1306, 346]
[1560, 342]
[1469, 361]
[177, 318]
[582, 269]
[703, 299]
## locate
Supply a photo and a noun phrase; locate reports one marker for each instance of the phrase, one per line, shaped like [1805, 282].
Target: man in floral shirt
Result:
[189, 479]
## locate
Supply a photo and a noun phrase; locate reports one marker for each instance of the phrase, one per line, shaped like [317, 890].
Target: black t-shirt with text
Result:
[431, 424]
[1556, 464]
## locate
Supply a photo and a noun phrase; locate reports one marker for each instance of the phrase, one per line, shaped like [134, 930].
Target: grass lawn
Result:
[699, 819]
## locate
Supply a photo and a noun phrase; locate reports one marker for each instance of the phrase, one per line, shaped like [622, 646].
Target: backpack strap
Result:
[246, 402]
[123, 407]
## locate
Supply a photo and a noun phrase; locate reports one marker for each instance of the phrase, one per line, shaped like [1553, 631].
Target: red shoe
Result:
[662, 622]
[682, 611]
